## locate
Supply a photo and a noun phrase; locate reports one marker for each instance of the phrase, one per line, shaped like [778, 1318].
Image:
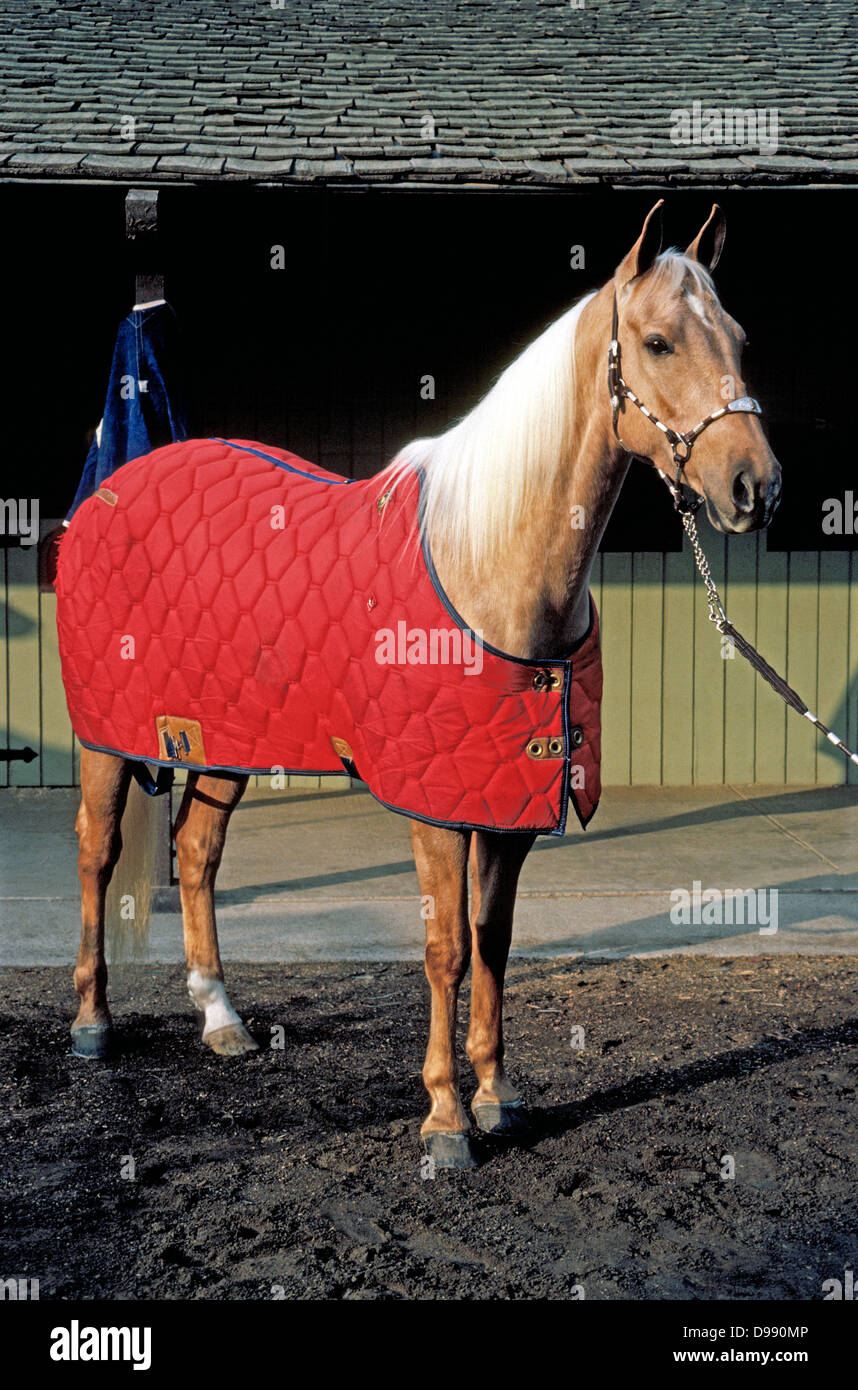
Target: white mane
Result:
[497, 461]
[502, 457]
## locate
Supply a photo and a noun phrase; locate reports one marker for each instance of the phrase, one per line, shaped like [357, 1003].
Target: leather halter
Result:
[680, 443]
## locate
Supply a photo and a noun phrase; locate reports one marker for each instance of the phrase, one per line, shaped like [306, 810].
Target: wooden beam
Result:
[144, 244]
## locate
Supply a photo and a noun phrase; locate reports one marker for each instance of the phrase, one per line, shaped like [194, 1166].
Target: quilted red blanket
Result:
[224, 605]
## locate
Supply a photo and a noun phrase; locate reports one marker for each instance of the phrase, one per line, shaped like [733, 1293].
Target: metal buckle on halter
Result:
[681, 445]
[681, 503]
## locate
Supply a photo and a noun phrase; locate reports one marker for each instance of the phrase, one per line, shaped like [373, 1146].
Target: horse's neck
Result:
[532, 600]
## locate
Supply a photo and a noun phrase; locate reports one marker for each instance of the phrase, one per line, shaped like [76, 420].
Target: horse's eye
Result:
[657, 345]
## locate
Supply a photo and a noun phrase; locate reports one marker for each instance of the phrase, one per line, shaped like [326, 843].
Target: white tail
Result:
[129, 896]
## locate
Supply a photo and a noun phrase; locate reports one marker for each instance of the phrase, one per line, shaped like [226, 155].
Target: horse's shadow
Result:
[774, 803]
[554, 1120]
[163, 1038]
[778, 802]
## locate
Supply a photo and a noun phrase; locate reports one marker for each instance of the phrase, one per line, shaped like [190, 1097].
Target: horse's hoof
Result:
[230, 1041]
[91, 1040]
[507, 1118]
[450, 1148]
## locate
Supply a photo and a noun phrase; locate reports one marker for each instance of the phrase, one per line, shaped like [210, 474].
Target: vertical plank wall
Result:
[675, 711]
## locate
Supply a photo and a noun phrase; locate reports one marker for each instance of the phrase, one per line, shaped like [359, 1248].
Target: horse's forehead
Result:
[690, 295]
[700, 303]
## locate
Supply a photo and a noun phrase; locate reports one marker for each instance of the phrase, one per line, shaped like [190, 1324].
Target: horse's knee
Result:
[97, 851]
[192, 858]
[447, 963]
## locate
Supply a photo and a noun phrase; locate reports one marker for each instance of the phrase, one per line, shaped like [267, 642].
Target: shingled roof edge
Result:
[365, 92]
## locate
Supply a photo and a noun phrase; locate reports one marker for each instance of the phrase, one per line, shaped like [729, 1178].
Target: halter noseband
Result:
[681, 444]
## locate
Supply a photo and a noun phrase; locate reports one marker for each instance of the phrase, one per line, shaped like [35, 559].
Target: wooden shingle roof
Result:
[534, 92]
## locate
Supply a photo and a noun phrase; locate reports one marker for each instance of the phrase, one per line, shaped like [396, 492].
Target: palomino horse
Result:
[498, 492]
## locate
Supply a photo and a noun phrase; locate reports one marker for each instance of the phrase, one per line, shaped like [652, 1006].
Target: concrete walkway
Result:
[311, 875]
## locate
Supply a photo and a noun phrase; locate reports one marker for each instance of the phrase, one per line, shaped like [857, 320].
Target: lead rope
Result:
[723, 624]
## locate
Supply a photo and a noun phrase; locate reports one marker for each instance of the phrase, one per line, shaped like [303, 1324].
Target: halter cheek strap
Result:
[681, 443]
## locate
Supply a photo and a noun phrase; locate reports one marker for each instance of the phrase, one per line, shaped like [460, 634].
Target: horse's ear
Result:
[709, 242]
[645, 249]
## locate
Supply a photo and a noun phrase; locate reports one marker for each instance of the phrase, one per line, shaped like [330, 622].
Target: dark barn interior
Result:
[382, 287]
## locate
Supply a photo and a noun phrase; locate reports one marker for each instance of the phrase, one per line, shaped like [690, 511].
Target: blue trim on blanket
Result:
[214, 767]
[567, 792]
[464, 825]
[281, 463]
[567, 745]
[324, 772]
[539, 661]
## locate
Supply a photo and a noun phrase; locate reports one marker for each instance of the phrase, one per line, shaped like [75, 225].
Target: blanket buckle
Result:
[180, 740]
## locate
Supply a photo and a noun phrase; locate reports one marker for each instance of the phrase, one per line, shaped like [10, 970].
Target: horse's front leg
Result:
[441, 857]
[201, 826]
[496, 861]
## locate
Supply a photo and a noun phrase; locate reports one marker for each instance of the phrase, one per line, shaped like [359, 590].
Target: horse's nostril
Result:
[743, 493]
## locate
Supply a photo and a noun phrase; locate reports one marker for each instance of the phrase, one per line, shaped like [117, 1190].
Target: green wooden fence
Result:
[675, 710]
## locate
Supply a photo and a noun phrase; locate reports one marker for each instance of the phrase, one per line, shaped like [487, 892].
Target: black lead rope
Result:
[744, 648]
[681, 445]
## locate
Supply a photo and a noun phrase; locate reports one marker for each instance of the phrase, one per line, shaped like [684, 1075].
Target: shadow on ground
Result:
[300, 1169]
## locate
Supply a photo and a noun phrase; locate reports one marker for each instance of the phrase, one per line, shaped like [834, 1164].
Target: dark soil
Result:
[297, 1172]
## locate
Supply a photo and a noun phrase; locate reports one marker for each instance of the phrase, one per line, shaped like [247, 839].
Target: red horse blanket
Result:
[227, 606]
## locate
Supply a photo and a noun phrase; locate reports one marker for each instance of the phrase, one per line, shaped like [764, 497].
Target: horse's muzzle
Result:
[753, 499]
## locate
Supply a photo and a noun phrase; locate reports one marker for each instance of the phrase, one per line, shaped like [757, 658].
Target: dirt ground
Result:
[297, 1173]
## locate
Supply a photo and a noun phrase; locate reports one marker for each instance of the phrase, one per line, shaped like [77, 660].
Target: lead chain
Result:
[716, 608]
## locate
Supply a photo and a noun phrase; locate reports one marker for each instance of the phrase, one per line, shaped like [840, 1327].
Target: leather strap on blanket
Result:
[153, 786]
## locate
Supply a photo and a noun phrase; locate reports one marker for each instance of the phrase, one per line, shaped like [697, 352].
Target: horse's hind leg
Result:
[496, 861]
[104, 783]
[201, 825]
[441, 857]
